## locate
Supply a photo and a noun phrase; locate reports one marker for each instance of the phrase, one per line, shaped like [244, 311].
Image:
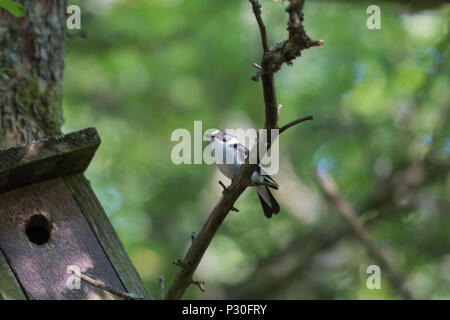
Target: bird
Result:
[260, 180]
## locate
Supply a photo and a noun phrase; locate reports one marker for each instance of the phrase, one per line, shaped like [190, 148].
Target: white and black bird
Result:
[230, 160]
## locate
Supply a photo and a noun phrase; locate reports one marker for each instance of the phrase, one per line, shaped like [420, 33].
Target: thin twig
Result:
[257, 66]
[200, 285]
[279, 110]
[348, 212]
[161, 286]
[256, 6]
[98, 284]
[293, 123]
[223, 186]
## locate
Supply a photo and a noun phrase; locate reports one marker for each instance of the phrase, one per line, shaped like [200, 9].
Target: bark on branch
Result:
[271, 61]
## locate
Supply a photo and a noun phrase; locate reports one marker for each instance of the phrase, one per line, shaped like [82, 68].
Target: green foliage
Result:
[14, 8]
[149, 67]
[4, 72]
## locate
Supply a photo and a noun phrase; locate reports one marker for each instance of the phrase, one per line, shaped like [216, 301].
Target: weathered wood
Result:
[42, 269]
[100, 224]
[9, 286]
[46, 159]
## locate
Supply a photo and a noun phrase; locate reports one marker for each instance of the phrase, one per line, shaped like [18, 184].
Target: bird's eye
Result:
[212, 138]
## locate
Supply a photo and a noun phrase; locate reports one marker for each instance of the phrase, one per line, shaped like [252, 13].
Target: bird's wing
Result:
[241, 151]
[266, 175]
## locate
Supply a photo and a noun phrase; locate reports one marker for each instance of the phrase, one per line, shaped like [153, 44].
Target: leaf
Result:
[14, 8]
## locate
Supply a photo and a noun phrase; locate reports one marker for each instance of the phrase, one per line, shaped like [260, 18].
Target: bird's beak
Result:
[208, 136]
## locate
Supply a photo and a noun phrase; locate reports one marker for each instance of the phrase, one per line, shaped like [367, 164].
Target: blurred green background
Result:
[380, 100]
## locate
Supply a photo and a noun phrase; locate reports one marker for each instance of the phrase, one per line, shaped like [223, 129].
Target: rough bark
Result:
[31, 72]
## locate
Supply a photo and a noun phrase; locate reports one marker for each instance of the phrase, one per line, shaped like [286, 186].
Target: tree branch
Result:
[262, 29]
[322, 238]
[241, 181]
[200, 285]
[288, 50]
[209, 229]
[293, 123]
[348, 212]
[98, 284]
[283, 52]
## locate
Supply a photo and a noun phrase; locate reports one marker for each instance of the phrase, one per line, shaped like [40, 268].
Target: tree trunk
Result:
[31, 71]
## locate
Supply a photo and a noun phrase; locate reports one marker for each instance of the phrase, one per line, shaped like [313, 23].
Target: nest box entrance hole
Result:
[38, 229]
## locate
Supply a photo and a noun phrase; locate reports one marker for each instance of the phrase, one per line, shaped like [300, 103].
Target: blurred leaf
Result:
[14, 8]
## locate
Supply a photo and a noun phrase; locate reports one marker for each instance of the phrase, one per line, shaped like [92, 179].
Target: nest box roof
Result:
[48, 158]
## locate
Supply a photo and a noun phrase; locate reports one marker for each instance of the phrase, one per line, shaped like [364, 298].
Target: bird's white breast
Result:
[226, 160]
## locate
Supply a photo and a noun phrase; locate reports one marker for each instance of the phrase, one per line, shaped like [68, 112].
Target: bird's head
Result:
[220, 135]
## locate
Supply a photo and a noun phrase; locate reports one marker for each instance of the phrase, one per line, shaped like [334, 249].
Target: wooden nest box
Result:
[50, 220]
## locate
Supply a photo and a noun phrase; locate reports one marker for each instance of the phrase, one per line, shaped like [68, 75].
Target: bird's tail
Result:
[271, 184]
[269, 204]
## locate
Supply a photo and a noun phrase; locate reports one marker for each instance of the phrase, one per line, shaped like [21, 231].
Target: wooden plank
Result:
[42, 269]
[46, 159]
[100, 224]
[9, 286]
